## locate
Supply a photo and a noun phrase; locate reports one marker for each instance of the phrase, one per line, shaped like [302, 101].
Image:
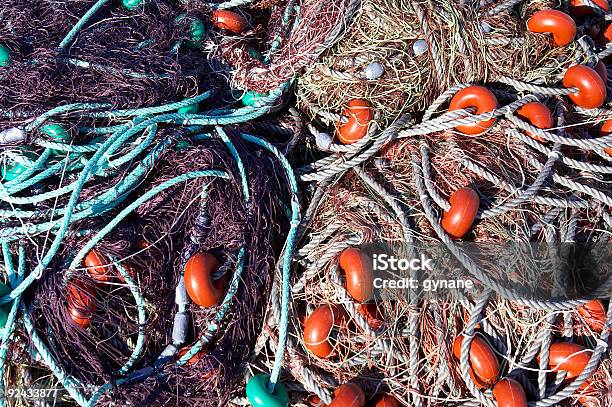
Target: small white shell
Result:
[420, 47]
[373, 71]
[323, 141]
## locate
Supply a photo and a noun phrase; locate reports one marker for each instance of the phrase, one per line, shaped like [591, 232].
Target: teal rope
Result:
[288, 254]
[142, 318]
[81, 23]
[142, 199]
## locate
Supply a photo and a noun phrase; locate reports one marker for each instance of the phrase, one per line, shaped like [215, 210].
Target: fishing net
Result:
[126, 153]
[145, 141]
[394, 183]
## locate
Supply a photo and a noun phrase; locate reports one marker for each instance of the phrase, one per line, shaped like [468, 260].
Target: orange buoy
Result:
[359, 276]
[372, 315]
[228, 20]
[81, 300]
[198, 280]
[591, 88]
[570, 357]
[555, 22]
[580, 9]
[464, 204]
[538, 115]
[480, 384]
[360, 114]
[606, 35]
[594, 315]
[482, 359]
[97, 266]
[385, 400]
[606, 129]
[509, 393]
[348, 395]
[477, 97]
[318, 328]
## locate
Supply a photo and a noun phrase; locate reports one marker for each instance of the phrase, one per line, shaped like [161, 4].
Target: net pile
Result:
[126, 154]
[159, 249]
[406, 65]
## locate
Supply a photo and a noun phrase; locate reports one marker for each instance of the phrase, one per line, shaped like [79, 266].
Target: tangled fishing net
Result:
[131, 178]
[159, 249]
[395, 144]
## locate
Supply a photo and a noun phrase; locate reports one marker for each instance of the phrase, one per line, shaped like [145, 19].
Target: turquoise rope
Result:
[288, 254]
[142, 318]
[81, 23]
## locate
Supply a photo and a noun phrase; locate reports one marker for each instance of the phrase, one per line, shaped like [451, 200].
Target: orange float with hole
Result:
[97, 266]
[348, 395]
[606, 130]
[594, 315]
[509, 393]
[81, 300]
[538, 115]
[480, 98]
[482, 359]
[318, 328]
[228, 20]
[458, 220]
[591, 88]
[385, 400]
[202, 290]
[555, 22]
[580, 9]
[359, 276]
[569, 357]
[371, 314]
[359, 113]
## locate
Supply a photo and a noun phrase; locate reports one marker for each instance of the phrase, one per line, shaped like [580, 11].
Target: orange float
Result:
[372, 315]
[591, 88]
[594, 315]
[509, 393]
[482, 359]
[458, 220]
[477, 97]
[606, 129]
[360, 114]
[385, 400]
[555, 22]
[198, 280]
[97, 266]
[569, 357]
[348, 395]
[606, 35]
[580, 9]
[81, 300]
[359, 276]
[318, 328]
[228, 20]
[480, 384]
[538, 115]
